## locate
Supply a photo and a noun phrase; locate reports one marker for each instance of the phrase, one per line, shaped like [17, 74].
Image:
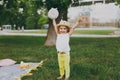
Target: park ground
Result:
[92, 58]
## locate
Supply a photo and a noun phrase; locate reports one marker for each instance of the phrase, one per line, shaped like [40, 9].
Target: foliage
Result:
[91, 58]
[32, 16]
[58, 4]
[8, 12]
[30, 22]
[42, 20]
[61, 5]
[118, 2]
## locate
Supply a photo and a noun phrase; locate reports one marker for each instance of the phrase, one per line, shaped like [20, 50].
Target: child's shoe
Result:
[59, 77]
[67, 78]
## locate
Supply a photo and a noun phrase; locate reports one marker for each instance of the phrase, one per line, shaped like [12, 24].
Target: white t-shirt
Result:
[62, 42]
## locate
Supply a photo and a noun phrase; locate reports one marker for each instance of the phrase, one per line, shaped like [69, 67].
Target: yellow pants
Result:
[64, 64]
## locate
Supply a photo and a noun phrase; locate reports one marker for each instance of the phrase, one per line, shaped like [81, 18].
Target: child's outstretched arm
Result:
[75, 25]
[54, 24]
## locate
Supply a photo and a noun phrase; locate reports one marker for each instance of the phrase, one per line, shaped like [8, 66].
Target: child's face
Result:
[63, 29]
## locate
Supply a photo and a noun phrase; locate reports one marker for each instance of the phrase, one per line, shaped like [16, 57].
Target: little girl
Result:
[63, 31]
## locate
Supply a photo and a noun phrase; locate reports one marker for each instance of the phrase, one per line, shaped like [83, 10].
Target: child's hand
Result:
[80, 20]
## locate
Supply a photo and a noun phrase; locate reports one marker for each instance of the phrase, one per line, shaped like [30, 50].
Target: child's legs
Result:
[67, 65]
[61, 63]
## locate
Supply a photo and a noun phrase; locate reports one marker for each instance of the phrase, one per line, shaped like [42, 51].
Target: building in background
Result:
[98, 14]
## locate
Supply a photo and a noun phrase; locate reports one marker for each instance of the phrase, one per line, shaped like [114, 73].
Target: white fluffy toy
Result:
[53, 13]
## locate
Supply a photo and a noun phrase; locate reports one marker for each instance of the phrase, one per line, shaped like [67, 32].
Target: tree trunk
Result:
[51, 35]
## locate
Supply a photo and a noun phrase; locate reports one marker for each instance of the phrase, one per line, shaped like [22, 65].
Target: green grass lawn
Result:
[91, 58]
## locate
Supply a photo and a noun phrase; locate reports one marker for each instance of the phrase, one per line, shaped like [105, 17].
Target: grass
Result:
[102, 32]
[91, 58]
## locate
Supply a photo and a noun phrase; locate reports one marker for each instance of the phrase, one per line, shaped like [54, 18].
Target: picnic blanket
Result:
[14, 72]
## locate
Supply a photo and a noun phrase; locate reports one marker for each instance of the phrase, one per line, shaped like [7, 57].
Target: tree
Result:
[8, 11]
[32, 16]
[62, 6]
[20, 12]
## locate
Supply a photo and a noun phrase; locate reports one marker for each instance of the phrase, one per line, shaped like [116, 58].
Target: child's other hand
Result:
[80, 20]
